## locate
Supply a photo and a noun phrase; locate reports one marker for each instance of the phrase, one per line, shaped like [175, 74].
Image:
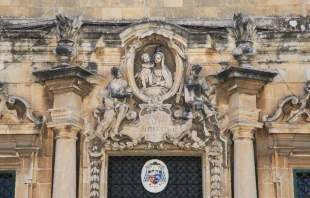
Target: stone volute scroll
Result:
[291, 115]
[292, 108]
[15, 109]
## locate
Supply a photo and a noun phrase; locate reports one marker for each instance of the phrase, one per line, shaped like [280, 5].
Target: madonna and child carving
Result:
[140, 110]
[156, 106]
[154, 75]
[186, 126]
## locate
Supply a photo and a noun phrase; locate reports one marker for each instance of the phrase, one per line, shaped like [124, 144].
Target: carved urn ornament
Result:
[67, 32]
[243, 32]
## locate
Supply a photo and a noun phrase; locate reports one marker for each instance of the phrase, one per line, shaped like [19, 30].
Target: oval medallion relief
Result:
[154, 176]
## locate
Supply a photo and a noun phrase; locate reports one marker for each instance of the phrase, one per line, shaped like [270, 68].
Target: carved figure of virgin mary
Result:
[161, 75]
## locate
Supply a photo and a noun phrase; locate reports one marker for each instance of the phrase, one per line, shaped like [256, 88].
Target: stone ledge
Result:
[287, 128]
[251, 73]
[61, 72]
[20, 129]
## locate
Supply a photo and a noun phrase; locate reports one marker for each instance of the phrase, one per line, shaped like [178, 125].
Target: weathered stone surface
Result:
[200, 29]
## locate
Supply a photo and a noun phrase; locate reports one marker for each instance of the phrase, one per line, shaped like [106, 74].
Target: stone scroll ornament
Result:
[150, 119]
[15, 109]
[292, 109]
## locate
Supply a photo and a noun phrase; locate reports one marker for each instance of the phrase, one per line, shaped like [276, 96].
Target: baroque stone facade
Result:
[76, 91]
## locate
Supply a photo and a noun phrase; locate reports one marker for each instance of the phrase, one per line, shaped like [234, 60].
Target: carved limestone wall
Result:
[176, 95]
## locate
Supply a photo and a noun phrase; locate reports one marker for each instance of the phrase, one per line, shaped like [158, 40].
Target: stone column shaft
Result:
[64, 184]
[244, 166]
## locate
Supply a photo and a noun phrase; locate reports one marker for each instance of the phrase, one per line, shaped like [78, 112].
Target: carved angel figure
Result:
[201, 95]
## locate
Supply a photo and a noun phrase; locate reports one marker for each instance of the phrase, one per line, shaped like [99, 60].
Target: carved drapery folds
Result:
[244, 34]
[292, 108]
[67, 30]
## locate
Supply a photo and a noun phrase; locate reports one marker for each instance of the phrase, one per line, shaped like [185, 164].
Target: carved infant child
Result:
[146, 73]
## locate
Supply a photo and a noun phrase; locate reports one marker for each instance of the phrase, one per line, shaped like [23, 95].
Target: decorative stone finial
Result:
[244, 32]
[67, 32]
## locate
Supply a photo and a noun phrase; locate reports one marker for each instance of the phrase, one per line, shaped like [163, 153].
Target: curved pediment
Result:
[292, 108]
[144, 29]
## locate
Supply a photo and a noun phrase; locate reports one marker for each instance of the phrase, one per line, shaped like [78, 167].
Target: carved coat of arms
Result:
[154, 176]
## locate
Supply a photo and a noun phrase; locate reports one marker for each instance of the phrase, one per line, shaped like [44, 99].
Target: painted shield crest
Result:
[154, 176]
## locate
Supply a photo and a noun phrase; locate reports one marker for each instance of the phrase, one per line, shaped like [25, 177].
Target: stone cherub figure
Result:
[201, 95]
[146, 72]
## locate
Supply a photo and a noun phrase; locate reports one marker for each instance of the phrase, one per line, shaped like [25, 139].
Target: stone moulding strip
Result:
[20, 129]
[287, 128]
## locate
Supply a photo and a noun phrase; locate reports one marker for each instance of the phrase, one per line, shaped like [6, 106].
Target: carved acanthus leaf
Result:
[244, 28]
[67, 27]
[292, 108]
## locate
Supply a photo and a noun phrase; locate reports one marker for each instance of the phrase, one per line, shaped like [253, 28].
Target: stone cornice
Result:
[264, 23]
[250, 73]
[61, 72]
[247, 80]
[64, 79]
